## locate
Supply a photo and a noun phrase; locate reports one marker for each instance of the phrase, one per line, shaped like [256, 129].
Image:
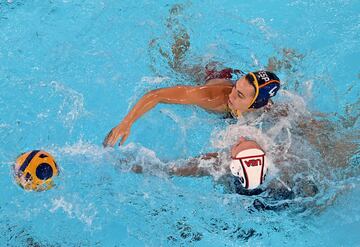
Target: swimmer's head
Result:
[248, 163]
[241, 96]
[253, 91]
[266, 85]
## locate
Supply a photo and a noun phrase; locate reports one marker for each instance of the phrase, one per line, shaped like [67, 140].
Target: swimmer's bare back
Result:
[213, 96]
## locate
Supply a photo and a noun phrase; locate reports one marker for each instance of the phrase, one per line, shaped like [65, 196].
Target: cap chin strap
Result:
[256, 83]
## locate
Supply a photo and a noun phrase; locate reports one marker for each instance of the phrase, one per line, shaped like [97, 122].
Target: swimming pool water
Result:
[70, 70]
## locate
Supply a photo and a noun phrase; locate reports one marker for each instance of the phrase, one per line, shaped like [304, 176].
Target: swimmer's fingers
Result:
[124, 137]
[121, 131]
[111, 138]
[106, 141]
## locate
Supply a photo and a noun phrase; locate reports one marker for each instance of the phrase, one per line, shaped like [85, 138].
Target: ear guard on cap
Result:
[266, 86]
[250, 166]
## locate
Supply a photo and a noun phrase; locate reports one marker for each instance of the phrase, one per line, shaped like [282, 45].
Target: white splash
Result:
[85, 152]
[144, 154]
[255, 60]
[309, 89]
[4, 125]
[62, 204]
[72, 107]
[135, 154]
[81, 211]
[154, 80]
[228, 137]
[272, 130]
[261, 25]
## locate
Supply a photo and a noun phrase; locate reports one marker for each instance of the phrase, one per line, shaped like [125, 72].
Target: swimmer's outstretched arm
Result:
[204, 96]
[191, 169]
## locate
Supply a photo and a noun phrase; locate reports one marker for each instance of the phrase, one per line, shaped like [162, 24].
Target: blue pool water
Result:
[70, 71]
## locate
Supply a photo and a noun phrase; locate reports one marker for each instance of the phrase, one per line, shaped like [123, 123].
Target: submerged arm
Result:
[191, 169]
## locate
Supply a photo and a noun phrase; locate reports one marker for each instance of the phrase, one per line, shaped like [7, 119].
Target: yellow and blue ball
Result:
[35, 170]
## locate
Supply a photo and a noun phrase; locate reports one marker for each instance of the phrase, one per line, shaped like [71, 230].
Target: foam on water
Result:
[72, 106]
[85, 64]
[83, 212]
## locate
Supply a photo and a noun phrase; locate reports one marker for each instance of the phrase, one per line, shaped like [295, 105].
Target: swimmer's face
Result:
[241, 95]
[242, 145]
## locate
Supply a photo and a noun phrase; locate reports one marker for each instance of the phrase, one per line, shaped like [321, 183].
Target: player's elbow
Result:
[153, 95]
[163, 95]
[171, 95]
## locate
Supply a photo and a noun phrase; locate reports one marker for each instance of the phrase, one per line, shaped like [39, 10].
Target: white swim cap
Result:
[250, 166]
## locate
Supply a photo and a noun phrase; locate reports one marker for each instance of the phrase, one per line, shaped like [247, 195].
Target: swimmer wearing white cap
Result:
[248, 166]
[248, 163]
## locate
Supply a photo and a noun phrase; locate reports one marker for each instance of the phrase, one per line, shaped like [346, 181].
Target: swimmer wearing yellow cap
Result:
[226, 91]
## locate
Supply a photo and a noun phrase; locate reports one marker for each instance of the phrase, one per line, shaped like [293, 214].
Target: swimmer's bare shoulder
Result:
[224, 82]
[211, 97]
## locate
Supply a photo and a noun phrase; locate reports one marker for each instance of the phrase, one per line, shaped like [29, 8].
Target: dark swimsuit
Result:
[227, 73]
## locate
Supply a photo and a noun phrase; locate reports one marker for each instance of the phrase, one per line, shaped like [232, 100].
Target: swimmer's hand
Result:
[121, 131]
